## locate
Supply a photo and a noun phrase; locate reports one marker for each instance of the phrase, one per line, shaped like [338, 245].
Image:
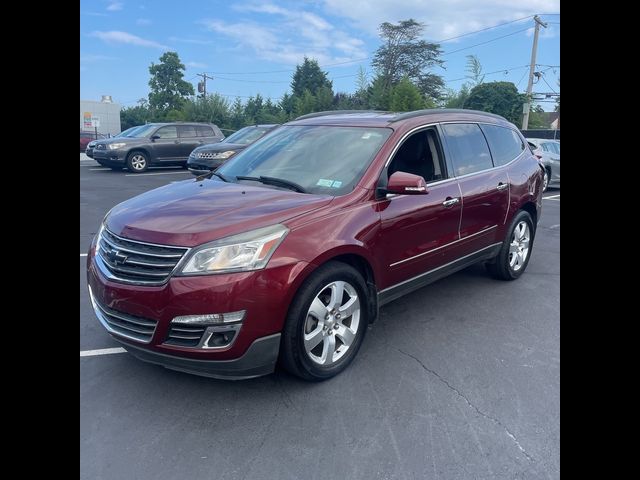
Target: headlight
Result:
[239, 253]
[115, 146]
[91, 144]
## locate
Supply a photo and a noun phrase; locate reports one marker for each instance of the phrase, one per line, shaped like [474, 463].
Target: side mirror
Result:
[403, 183]
[154, 137]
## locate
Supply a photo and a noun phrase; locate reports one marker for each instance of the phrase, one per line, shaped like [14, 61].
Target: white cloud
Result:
[115, 36]
[115, 6]
[196, 64]
[143, 22]
[92, 57]
[444, 18]
[290, 36]
[195, 41]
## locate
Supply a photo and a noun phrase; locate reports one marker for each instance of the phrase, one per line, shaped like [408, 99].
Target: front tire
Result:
[513, 258]
[545, 180]
[326, 323]
[137, 162]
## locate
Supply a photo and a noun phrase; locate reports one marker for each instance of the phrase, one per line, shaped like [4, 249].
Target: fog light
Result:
[210, 318]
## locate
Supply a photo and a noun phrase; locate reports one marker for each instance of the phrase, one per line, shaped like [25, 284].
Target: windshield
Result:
[246, 135]
[128, 132]
[322, 159]
[142, 131]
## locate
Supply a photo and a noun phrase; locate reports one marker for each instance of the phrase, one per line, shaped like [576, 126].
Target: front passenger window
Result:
[419, 155]
[167, 132]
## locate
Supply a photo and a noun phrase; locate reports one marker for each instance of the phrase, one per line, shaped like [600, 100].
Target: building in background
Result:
[105, 113]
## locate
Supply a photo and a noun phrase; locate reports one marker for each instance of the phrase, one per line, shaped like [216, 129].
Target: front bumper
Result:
[259, 359]
[201, 166]
[110, 157]
[264, 295]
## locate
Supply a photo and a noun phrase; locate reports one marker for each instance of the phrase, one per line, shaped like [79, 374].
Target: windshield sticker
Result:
[324, 183]
[336, 184]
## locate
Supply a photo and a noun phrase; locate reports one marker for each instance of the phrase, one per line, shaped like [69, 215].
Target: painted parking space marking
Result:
[83, 254]
[102, 351]
[158, 173]
[552, 197]
[98, 169]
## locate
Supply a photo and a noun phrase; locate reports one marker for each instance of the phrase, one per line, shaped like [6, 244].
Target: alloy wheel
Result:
[519, 247]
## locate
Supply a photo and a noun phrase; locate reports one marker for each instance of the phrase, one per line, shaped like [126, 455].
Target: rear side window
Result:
[505, 144]
[186, 131]
[204, 131]
[468, 147]
[167, 132]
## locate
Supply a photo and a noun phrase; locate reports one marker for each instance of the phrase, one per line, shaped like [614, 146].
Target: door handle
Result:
[450, 202]
[502, 186]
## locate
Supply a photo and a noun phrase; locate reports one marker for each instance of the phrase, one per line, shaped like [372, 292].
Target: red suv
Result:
[287, 251]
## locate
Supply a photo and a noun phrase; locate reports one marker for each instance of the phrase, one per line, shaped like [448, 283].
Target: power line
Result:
[484, 29]
[489, 73]
[488, 41]
[545, 81]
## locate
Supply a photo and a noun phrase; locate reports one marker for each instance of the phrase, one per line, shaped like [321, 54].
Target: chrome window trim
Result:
[454, 177]
[443, 246]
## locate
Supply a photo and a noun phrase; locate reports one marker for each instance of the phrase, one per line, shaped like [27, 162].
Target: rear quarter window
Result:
[204, 131]
[505, 144]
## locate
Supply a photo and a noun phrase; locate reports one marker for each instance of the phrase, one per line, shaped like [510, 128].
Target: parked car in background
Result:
[209, 157]
[548, 151]
[92, 144]
[155, 144]
[86, 137]
[287, 251]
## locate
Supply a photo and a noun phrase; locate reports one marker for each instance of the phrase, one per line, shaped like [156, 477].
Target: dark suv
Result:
[209, 157]
[287, 251]
[155, 144]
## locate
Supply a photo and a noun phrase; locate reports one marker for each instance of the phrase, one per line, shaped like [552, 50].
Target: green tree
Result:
[454, 99]
[305, 103]
[501, 98]
[309, 76]
[474, 70]
[538, 118]
[134, 116]
[324, 99]
[403, 54]
[237, 119]
[213, 108]
[380, 94]
[405, 97]
[168, 89]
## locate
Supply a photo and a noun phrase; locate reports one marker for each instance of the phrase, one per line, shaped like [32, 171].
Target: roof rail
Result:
[434, 111]
[336, 112]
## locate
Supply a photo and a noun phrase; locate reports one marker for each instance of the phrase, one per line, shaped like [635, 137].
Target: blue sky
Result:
[236, 41]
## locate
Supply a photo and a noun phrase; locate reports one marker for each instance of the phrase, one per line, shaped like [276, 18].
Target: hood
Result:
[219, 147]
[191, 212]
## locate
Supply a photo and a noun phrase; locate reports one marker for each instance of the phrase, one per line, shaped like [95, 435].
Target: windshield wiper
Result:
[279, 182]
[212, 172]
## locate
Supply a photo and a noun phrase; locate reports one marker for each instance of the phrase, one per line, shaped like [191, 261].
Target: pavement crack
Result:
[468, 402]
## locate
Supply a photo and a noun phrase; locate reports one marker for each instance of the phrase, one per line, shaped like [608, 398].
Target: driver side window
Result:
[420, 154]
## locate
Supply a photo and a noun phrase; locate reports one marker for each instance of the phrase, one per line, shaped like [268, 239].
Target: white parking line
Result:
[552, 197]
[102, 351]
[159, 173]
[83, 254]
[98, 169]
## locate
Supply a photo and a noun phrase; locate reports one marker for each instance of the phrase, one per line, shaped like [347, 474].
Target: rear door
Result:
[189, 140]
[484, 189]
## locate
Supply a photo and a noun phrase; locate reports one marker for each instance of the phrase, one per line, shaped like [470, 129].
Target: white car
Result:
[548, 151]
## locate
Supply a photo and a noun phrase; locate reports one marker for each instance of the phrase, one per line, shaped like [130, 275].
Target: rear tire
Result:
[326, 323]
[137, 162]
[513, 258]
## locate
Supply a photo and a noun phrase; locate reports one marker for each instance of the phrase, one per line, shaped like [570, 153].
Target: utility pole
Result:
[202, 86]
[532, 66]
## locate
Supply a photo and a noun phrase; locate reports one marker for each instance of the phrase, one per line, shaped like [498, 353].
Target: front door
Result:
[417, 230]
[167, 147]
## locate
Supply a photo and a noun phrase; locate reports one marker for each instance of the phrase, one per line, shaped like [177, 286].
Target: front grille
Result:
[131, 261]
[129, 326]
[206, 155]
[101, 146]
[185, 335]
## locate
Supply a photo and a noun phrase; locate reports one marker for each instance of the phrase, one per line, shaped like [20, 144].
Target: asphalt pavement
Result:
[458, 380]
